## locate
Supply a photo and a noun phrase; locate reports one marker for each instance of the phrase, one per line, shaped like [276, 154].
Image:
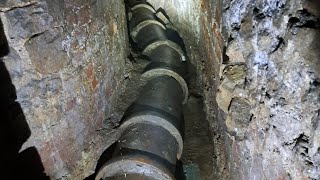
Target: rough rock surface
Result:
[67, 61]
[270, 95]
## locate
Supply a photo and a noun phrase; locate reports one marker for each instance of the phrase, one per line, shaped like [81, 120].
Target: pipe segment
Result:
[150, 141]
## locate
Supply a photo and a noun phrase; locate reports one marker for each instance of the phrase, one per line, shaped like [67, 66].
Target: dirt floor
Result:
[198, 156]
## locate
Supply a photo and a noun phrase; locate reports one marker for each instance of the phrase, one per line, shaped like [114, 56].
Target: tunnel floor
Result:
[197, 158]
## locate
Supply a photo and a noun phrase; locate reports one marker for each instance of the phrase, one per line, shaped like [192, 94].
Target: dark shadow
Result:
[106, 156]
[132, 3]
[161, 10]
[14, 129]
[180, 175]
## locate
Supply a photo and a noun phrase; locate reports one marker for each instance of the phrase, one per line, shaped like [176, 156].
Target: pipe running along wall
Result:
[151, 142]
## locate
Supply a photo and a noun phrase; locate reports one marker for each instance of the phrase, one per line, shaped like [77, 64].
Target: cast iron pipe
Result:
[151, 142]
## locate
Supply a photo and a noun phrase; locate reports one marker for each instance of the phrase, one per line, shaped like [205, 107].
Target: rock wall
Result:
[66, 60]
[269, 89]
[260, 85]
[259, 78]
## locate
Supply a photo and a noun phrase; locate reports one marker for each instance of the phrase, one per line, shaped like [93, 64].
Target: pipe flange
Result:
[134, 164]
[156, 121]
[152, 73]
[145, 6]
[148, 50]
[136, 30]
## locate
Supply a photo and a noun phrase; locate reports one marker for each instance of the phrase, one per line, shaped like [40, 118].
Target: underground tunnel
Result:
[159, 89]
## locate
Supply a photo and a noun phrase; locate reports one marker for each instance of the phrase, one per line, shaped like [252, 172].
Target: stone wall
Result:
[211, 47]
[66, 60]
[269, 89]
